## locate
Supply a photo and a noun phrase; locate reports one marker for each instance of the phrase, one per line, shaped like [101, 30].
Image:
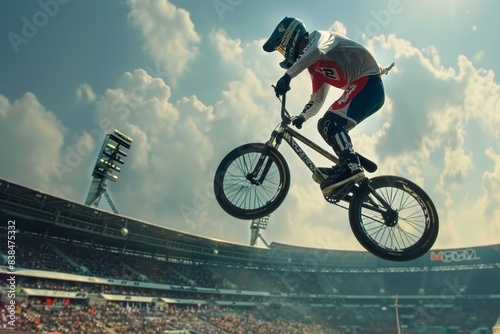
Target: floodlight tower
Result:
[105, 167]
[255, 227]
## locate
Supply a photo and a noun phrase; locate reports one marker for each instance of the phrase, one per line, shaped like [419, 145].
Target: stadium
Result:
[73, 268]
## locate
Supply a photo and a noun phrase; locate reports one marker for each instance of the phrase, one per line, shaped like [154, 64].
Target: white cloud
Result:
[170, 35]
[85, 93]
[482, 98]
[230, 50]
[491, 196]
[339, 28]
[33, 138]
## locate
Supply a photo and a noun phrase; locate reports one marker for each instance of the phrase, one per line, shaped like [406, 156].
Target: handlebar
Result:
[285, 115]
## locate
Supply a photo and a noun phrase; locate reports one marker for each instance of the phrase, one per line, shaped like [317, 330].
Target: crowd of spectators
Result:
[156, 271]
[40, 257]
[101, 263]
[75, 319]
[34, 317]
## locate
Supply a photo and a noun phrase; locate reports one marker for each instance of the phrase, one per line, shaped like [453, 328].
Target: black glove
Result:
[297, 121]
[283, 85]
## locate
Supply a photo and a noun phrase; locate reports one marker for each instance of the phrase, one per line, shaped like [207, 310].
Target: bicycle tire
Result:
[417, 226]
[235, 193]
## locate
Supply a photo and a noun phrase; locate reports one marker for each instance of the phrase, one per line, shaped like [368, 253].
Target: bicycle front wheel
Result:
[252, 181]
[405, 232]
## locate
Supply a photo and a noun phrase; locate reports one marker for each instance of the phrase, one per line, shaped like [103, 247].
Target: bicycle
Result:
[390, 216]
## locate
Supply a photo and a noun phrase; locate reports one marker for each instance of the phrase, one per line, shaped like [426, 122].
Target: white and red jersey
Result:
[332, 60]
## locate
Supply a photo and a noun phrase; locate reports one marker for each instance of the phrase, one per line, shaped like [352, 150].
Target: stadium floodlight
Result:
[110, 154]
[255, 227]
[106, 167]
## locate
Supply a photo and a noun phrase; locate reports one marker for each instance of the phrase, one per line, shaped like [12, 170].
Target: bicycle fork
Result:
[251, 177]
[274, 141]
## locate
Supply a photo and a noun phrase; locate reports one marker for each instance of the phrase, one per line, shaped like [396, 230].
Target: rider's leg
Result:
[323, 125]
[360, 100]
[333, 129]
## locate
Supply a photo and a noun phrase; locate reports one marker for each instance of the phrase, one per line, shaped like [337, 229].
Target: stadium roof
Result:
[57, 219]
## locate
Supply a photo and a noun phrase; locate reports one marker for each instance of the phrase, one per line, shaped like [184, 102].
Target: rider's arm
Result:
[319, 44]
[316, 102]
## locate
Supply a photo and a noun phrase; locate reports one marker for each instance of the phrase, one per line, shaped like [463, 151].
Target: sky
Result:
[188, 81]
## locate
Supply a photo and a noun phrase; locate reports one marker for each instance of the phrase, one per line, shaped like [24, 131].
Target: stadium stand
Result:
[76, 273]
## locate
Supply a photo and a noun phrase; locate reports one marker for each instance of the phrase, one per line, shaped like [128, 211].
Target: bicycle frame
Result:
[283, 131]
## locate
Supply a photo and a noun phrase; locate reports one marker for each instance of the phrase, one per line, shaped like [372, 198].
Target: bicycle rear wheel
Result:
[245, 192]
[404, 234]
